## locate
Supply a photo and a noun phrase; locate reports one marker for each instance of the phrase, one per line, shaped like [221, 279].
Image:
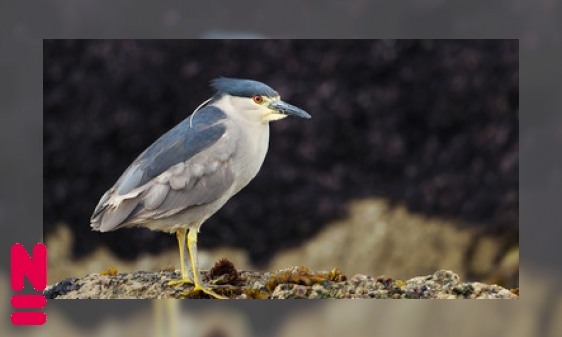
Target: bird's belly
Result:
[192, 217]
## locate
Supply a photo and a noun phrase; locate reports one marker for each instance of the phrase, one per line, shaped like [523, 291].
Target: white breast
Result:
[251, 149]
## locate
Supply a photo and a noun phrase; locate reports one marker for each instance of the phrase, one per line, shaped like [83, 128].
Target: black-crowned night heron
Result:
[191, 171]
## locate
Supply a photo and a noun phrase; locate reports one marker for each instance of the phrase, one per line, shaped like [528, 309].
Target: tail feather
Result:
[112, 211]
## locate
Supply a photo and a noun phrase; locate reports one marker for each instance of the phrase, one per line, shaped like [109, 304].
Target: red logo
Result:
[35, 268]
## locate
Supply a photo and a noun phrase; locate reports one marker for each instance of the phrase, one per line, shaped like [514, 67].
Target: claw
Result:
[197, 289]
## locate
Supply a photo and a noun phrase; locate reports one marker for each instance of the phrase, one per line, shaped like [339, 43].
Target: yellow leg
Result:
[181, 236]
[192, 248]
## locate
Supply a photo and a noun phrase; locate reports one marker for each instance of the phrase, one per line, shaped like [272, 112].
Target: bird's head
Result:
[254, 100]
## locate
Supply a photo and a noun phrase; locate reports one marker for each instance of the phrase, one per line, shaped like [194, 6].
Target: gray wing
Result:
[172, 175]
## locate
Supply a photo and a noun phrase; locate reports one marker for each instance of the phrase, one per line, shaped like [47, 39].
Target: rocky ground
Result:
[294, 282]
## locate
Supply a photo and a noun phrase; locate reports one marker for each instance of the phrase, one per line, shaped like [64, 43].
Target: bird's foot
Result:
[197, 289]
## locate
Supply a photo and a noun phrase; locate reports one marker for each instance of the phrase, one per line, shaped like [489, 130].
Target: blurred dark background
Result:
[429, 123]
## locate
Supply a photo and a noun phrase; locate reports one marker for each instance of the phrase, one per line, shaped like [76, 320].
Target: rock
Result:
[294, 282]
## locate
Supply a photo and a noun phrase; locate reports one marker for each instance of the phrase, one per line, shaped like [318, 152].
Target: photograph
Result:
[255, 169]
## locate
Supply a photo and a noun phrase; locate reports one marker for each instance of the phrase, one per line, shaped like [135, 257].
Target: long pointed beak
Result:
[288, 109]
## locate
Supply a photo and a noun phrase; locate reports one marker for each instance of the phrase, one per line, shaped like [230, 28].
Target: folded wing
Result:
[172, 175]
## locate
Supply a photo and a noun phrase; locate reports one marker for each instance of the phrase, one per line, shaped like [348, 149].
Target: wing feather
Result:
[208, 187]
[155, 196]
[172, 175]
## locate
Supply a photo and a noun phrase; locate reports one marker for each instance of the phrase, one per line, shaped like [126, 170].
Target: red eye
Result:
[258, 99]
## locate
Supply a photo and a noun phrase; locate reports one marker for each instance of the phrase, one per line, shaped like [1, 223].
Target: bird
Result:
[191, 171]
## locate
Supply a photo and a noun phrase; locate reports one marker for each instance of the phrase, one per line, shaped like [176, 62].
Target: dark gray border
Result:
[21, 94]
